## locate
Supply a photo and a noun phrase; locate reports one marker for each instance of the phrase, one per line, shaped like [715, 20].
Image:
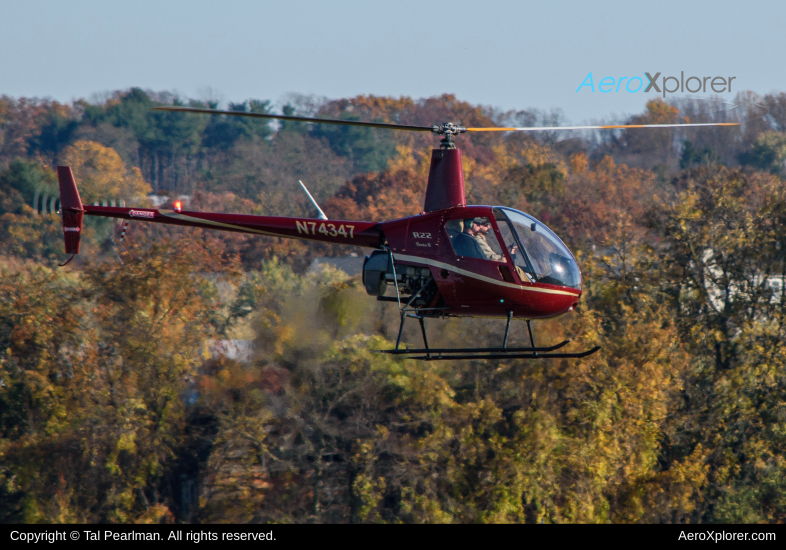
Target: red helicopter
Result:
[451, 260]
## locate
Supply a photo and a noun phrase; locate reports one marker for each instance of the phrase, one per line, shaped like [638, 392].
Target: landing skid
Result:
[446, 354]
[501, 354]
[473, 350]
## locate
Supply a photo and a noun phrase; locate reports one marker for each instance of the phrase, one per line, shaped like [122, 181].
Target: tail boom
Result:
[354, 233]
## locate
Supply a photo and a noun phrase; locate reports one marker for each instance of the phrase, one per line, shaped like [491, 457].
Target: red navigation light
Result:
[178, 206]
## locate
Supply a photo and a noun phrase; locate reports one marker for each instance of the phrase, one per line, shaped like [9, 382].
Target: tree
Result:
[768, 153]
[692, 156]
[721, 260]
[57, 130]
[24, 233]
[367, 148]
[648, 148]
[101, 174]
[27, 178]
[95, 382]
[223, 132]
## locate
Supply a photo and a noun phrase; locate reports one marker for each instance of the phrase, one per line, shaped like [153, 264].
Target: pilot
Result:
[481, 227]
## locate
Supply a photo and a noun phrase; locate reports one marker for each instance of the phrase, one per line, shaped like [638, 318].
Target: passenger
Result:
[472, 241]
[465, 244]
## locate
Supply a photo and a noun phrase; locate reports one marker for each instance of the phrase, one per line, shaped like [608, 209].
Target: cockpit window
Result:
[545, 259]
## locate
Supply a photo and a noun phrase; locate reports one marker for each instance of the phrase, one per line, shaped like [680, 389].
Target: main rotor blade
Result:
[437, 129]
[298, 118]
[604, 127]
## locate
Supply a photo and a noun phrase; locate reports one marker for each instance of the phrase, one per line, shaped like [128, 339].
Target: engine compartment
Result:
[379, 273]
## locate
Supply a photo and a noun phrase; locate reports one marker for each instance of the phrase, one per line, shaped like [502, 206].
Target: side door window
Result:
[474, 238]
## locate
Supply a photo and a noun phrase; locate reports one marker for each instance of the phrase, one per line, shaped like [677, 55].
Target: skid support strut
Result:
[420, 317]
[405, 313]
[400, 328]
[507, 330]
[423, 330]
[531, 338]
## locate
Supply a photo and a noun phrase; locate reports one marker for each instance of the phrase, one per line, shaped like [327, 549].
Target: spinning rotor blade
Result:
[605, 127]
[299, 118]
[447, 129]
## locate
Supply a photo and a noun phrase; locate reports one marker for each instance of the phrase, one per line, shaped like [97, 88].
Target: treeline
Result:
[113, 408]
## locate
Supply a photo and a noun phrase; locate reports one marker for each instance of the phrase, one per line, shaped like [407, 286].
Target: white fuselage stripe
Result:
[178, 216]
[483, 278]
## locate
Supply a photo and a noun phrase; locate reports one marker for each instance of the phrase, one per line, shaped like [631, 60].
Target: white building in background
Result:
[241, 351]
[717, 294]
[159, 200]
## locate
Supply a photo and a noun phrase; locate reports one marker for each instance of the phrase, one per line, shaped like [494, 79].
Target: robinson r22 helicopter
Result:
[451, 260]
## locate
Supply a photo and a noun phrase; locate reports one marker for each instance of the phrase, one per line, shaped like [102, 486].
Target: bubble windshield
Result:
[545, 259]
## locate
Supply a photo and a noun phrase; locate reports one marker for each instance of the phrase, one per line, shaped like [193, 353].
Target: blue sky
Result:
[510, 55]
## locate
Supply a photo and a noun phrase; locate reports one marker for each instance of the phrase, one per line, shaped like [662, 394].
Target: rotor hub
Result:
[448, 130]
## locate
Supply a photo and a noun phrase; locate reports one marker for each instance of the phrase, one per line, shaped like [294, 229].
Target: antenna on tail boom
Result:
[321, 214]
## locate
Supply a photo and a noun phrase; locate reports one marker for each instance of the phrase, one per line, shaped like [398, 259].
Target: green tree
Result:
[693, 157]
[56, 132]
[367, 148]
[26, 178]
[768, 153]
[24, 233]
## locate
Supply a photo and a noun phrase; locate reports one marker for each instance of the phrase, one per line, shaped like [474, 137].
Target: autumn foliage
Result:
[116, 407]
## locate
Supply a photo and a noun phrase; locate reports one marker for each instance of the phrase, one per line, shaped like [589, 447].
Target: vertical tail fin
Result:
[71, 207]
